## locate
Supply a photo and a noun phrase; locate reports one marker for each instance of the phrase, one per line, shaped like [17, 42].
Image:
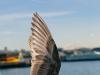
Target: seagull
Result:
[45, 57]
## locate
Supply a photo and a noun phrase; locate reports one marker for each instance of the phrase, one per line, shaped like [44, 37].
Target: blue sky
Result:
[73, 23]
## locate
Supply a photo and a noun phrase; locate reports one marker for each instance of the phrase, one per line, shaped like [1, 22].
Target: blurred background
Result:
[75, 27]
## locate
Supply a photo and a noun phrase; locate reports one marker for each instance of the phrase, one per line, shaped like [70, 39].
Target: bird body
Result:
[45, 57]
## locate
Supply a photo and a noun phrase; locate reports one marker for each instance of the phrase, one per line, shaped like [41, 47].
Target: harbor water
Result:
[68, 68]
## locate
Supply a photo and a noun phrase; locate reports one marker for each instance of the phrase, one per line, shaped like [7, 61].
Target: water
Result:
[69, 68]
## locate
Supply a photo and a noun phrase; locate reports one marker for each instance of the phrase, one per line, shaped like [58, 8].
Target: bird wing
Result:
[43, 48]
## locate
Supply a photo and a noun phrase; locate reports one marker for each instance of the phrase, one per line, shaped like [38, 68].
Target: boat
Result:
[82, 57]
[14, 65]
[12, 61]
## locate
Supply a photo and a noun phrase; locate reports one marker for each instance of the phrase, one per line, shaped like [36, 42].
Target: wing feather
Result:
[42, 48]
[40, 33]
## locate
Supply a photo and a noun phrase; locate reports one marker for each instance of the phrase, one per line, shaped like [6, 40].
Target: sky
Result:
[73, 23]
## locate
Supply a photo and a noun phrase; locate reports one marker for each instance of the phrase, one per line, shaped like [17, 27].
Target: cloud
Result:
[16, 16]
[56, 14]
[6, 33]
[92, 35]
